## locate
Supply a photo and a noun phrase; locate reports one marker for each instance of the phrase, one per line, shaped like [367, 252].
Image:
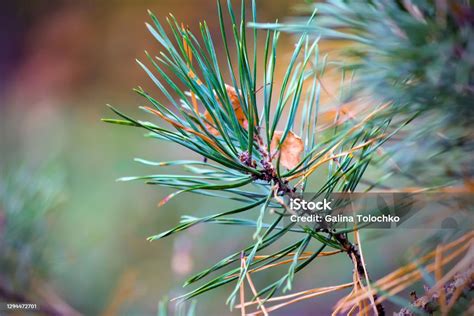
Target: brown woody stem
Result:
[353, 253]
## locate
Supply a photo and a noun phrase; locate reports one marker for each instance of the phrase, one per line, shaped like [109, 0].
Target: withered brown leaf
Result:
[290, 150]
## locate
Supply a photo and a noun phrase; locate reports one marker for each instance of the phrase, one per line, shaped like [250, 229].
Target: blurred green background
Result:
[61, 62]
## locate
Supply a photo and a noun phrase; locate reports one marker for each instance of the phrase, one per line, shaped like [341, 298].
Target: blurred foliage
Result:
[28, 200]
[415, 54]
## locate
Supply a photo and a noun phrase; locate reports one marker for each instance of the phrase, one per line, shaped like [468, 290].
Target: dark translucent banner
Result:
[383, 210]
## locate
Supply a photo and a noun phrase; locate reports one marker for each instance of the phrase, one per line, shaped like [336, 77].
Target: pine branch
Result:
[460, 285]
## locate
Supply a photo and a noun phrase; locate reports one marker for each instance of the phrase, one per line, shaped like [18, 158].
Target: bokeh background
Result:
[61, 62]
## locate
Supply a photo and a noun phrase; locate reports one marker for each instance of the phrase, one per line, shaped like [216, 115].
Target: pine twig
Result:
[354, 254]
